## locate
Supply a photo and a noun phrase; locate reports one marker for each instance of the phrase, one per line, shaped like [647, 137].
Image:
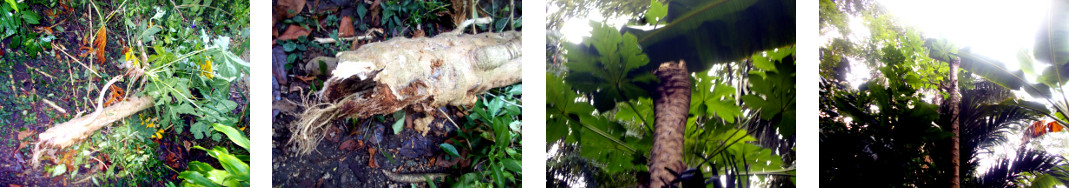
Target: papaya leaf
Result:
[657, 11]
[606, 67]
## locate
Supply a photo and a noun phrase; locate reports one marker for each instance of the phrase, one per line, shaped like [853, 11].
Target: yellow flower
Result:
[130, 56]
[206, 69]
[242, 128]
[150, 125]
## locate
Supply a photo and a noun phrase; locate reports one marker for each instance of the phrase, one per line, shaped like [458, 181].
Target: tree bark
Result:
[954, 102]
[671, 105]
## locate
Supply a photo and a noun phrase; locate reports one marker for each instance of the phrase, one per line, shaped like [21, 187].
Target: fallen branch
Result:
[416, 74]
[364, 37]
[79, 128]
[412, 178]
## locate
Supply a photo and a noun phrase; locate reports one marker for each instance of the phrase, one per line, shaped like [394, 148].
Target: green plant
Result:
[235, 171]
[15, 23]
[492, 134]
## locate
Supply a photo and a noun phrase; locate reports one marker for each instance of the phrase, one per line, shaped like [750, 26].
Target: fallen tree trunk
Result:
[79, 128]
[419, 75]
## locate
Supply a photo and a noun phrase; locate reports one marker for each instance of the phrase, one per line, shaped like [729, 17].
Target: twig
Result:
[53, 105]
[472, 22]
[331, 40]
[449, 118]
[54, 46]
[43, 73]
[364, 37]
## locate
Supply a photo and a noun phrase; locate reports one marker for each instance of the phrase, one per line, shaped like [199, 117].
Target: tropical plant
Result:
[235, 171]
[913, 67]
[492, 134]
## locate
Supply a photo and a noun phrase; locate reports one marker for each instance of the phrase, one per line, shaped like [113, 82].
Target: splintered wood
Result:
[417, 75]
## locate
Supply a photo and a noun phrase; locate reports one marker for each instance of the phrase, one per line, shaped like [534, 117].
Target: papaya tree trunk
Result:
[955, 141]
[671, 105]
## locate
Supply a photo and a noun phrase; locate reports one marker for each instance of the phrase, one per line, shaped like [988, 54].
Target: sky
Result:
[997, 29]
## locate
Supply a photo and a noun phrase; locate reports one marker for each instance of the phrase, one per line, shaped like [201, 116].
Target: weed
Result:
[492, 134]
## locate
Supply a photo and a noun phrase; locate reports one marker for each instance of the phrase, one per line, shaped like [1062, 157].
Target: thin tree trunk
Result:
[955, 100]
[671, 105]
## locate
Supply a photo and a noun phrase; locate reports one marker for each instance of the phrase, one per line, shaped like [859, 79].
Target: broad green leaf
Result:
[31, 18]
[656, 12]
[1025, 60]
[512, 165]
[1052, 41]
[696, 31]
[196, 179]
[605, 66]
[13, 5]
[198, 166]
[399, 116]
[722, 104]
[59, 169]
[449, 149]
[235, 136]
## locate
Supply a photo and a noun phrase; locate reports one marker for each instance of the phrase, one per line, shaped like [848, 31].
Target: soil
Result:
[25, 82]
[342, 159]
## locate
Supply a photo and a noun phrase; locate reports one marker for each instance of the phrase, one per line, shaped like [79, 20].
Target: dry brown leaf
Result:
[345, 28]
[293, 32]
[99, 43]
[22, 136]
[348, 145]
[290, 8]
[371, 159]
[375, 9]
[418, 34]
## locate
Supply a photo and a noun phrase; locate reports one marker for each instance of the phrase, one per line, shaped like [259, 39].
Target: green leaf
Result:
[512, 165]
[399, 116]
[59, 169]
[1052, 41]
[196, 179]
[1025, 60]
[198, 166]
[235, 136]
[200, 130]
[31, 18]
[656, 12]
[696, 31]
[13, 5]
[449, 149]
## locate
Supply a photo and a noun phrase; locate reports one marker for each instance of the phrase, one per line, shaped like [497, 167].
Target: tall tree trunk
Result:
[955, 100]
[671, 105]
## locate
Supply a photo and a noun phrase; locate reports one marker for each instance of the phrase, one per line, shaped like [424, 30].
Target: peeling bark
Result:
[671, 104]
[79, 128]
[418, 74]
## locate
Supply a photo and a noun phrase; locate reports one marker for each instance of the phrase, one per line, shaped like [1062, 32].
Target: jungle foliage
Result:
[894, 128]
[600, 114]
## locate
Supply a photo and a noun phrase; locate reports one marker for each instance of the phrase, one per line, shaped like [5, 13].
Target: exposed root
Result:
[417, 75]
[412, 178]
[79, 128]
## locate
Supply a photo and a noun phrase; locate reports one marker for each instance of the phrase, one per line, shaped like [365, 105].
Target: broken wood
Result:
[419, 75]
[79, 128]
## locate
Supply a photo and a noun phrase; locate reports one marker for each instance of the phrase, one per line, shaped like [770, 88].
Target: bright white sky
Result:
[574, 29]
[997, 29]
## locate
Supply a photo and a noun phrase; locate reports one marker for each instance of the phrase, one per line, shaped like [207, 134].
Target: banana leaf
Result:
[704, 32]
